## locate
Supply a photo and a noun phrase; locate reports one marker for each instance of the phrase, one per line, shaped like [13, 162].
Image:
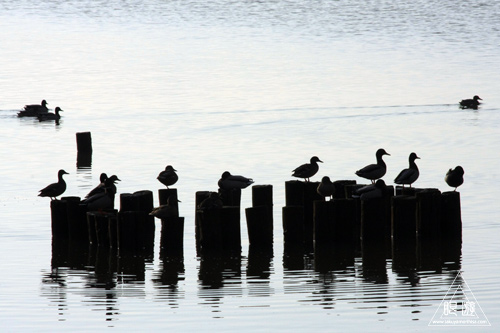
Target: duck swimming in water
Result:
[34, 110]
[470, 103]
[307, 170]
[410, 175]
[230, 182]
[168, 177]
[326, 188]
[374, 171]
[50, 116]
[455, 177]
[55, 189]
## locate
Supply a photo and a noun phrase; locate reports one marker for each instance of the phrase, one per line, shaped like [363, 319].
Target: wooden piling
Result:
[172, 236]
[230, 229]
[294, 193]
[259, 226]
[230, 197]
[341, 188]
[404, 232]
[210, 230]
[451, 228]
[129, 232]
[84, 142]
[165, 193]
[199, 197]
[293, 228]
[59, 218]
[260, 218]
[428, 229]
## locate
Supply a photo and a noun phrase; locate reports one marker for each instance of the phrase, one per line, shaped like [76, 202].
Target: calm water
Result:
[256, 88]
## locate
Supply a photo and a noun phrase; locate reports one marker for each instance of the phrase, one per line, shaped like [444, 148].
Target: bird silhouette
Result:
[307, 170]
[55, 189]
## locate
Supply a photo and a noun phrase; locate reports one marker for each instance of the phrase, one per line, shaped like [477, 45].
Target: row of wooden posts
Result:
[421, 225]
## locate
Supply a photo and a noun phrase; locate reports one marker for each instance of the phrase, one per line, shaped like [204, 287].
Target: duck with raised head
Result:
[374, 171]
[50, 115]
[228, 181]
[104, 199]
[34, 110]
[455, 177]
[99, 188]
[326, 188]
[55, 189]
[371, 191]
[170, 209]
[471, 103]
[410, 175]
[168, 176]
[307, 170]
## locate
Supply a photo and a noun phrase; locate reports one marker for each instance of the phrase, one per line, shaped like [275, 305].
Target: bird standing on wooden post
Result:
[229, 182]
[410, 175]
[168, 177]
[55, 189]
[374, 171]
[307, 170]
[455, 177]
[170, 209]
[326, 188]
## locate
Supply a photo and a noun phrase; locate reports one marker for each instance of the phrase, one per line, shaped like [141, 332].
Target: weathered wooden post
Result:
[293, 229]
[230, 197]
[404, 232]
[260, 217]
[343, 188]
[230, 230]
[59, 218]
[199, 197]
[428, 229]
[210, 231]
[77, 219]
[172, 236]
[451, 227]
[84, 150]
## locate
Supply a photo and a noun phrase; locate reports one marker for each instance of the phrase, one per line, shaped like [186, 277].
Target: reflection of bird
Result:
[374, 171]
[229, 182]
[168, 176]
[455, 177]
[212, 202]
[99, 188]
[372, 191]
[34, 110]
[410, 175]
[50, 116]
[307, 170]
[170, 209]
[104, 199]
[56, 189]
[326, 188]
[470, 103]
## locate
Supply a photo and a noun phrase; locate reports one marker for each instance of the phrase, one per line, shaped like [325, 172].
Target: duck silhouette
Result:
[34, 110]
[307, 170]
[104, 199]
[168, 176]
[471, 103]
[371, 191]
[326, 188]
[455, 177]
[374, 171]
[170, 209]
[230, 182]
[49, 115]
[55, 189]
[410, 175]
